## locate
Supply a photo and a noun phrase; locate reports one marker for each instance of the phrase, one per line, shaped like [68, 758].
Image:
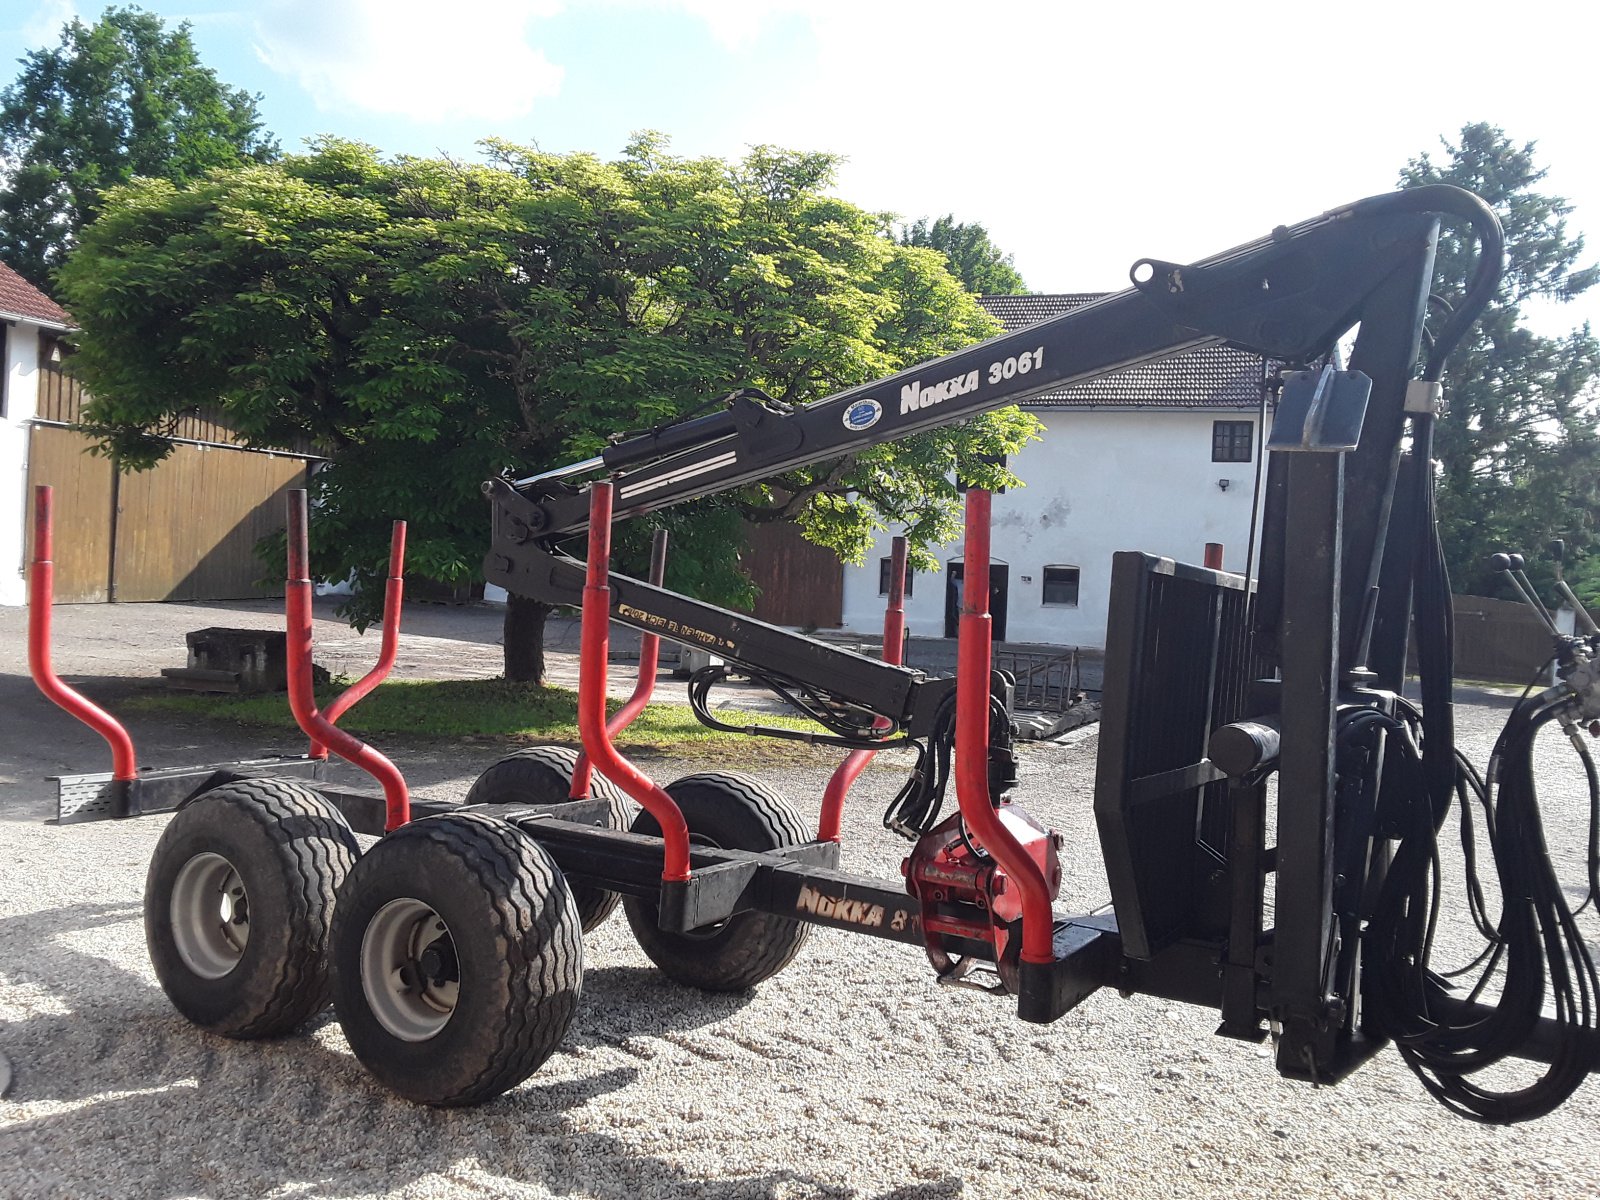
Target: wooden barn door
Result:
[187, 530]
[84, 486]
[800, 584]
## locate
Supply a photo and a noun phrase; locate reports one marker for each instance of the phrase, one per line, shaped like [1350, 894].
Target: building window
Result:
[998, 460]
[884, 566]
[1061, 586]
[1231, 441]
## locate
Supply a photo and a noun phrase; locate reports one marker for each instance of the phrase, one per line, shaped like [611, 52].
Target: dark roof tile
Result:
[1209, 377]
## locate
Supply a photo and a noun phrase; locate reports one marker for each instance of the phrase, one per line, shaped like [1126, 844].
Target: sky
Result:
[1083, 137]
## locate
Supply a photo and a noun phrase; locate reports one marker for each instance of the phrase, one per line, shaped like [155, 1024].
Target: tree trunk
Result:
[524, 639]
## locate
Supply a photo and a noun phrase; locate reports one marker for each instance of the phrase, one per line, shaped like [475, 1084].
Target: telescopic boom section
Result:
[1288, 296]
[41, 595]
[302, 698]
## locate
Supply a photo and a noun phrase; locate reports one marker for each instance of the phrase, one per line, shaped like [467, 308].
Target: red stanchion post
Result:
[302, 699]
[41, 595]
[389, 647]
[973, 665]
[593, 648]
[644, 687]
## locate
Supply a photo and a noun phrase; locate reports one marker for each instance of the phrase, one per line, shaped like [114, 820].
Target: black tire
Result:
[733, 812]
[543, 775]
[506, 971]
[238, 905]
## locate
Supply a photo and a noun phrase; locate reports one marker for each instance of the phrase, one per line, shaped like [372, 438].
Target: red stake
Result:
[973, 665]
[302, 700]
[41, 595]
[593, 649]
[644, 687]
[894, 644]
[393, 592]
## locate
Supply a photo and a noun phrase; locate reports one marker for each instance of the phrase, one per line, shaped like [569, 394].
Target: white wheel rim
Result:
[210, 914]
[407, 958]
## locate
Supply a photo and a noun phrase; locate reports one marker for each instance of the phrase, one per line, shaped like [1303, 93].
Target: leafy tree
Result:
[1520, 460]
[974, 259]
[429, 324]
[116, 99]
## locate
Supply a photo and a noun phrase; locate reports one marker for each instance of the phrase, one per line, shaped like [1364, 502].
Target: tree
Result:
[430, 324]
[121, 98]
[974, 259]
[1518, 452]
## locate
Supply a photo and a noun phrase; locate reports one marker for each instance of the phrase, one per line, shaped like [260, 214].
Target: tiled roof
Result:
[19, 298]
[1210, 377]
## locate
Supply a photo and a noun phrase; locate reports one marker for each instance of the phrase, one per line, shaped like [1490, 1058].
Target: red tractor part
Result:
[41, 595]
[949, 867]
[393, 594]
[302, 699]
[594, 648]
[894, 644]
[984, 826]
[644, 688]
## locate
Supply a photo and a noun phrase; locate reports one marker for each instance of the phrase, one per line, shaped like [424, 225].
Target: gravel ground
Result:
[850, 1075]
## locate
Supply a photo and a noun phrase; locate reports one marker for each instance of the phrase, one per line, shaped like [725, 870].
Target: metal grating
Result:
[88, 798]
[1178, 664]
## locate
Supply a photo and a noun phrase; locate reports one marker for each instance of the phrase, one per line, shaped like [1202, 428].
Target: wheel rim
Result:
[210, 913]
[409, 971]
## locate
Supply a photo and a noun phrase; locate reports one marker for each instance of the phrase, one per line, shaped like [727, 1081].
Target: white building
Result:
[31, 324]
[1160, 457]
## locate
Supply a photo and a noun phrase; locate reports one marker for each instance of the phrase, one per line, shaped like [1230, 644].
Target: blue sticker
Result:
[863, 414]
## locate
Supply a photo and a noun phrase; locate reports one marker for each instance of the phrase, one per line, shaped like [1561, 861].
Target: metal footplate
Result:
[99, 797]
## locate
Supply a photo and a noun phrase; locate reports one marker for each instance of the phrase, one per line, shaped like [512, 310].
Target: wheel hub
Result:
[410, 974]
[210, 915]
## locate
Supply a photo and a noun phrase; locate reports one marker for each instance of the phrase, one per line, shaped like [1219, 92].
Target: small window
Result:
[1061, 586]
[884, 566]
[1232, 441]
[998, 460]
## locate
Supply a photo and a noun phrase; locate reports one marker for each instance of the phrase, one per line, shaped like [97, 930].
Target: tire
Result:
[732, 812]
[543, 775]
[457, 959]
[238, 905]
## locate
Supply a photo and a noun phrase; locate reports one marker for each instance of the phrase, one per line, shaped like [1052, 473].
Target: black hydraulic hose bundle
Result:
[850, 726]
[916, 807]
[1534, 949]
[1533, 946]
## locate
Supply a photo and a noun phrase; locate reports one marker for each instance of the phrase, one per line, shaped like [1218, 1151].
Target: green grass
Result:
[457, 709]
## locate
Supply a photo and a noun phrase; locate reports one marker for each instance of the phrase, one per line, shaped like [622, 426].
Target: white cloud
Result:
[425, 61]
[43, 27]
[736, 24]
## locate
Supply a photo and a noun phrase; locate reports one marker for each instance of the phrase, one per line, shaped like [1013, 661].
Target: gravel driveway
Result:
[849, 1075]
